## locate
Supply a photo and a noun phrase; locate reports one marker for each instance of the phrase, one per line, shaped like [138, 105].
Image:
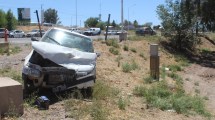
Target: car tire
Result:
[12, 36]
[27, 85]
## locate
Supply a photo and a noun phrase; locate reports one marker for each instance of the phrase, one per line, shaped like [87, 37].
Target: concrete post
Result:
[154, 61]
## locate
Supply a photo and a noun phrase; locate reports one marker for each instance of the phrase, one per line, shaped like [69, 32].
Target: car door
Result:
[16, 34]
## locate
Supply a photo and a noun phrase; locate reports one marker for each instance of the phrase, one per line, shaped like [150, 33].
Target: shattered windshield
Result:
[67, 39]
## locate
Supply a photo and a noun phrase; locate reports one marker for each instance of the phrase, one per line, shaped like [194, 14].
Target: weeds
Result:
[163, 72]
[133, 50]
[175, 68]
[126, 67]
[148, 79]
[98, 111]
[205, 51]
[112, 42]
[125, 48]
[118, 60]
[196, 83]
[142, 55]
[121, 103]
[114, 51]
[102, 91]
[15, 50]
[162, 97]
[8, 72]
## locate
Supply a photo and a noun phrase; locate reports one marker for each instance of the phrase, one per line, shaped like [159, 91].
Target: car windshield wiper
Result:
[53, 40]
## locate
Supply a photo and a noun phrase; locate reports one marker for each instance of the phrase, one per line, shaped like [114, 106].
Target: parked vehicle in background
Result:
[145, 31]
[111, 32]
[75, 30]
[2, 32]
[60, 60]
[16, 34]
[35, 33]
[92, 31]
[121, 31]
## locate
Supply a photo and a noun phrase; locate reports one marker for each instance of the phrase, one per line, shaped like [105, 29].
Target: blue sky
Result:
[141, 10]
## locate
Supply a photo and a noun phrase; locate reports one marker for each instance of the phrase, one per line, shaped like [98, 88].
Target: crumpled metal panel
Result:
[66, 57]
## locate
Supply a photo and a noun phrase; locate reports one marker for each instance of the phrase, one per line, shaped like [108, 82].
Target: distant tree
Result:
[126, 22]
[51, 16]
[91, 22]
[101, 25]
[11, 20]
[135, 23]
[207, 14]
[3, 21]
[148, 24]
[113, 23]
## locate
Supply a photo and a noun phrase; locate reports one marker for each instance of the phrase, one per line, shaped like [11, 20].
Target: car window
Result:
[1, 30]
[67, 39]
[34, 30]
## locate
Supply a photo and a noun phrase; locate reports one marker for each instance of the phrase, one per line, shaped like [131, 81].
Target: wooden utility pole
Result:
[107, 27]
[38, 20]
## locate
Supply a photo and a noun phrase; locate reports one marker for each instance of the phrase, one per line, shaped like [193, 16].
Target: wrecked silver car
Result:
[60, 60]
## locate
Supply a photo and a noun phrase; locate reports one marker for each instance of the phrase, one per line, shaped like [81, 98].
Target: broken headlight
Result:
[32, 70]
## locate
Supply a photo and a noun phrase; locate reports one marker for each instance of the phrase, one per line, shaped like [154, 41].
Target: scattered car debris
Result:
[43, 103]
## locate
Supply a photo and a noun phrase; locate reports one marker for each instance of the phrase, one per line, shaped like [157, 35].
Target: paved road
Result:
[28, 40]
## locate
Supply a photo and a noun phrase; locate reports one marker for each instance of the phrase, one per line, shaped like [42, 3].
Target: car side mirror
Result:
[98, 54]
[34, 39]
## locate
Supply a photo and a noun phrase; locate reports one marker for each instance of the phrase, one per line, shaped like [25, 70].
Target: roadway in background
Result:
[28, 40]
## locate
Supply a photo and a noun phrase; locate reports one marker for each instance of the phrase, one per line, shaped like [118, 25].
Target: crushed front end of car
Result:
[59, 61]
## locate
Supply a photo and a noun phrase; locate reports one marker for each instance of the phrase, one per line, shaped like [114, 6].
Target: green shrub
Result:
[112, 42]
[126, 67]
[125, 48]
[148, 79]
[98, 111]
[175, 68]
[134, 65]
[114, 51]
[142, 55]
[133, 50]
[102, 91]
[160, 95]
[121, 103]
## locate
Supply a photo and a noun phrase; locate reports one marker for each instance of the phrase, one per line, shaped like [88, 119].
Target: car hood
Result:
[66, 57]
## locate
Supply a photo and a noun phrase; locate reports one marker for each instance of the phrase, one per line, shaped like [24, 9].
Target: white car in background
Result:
[35, 33]
[16, 34]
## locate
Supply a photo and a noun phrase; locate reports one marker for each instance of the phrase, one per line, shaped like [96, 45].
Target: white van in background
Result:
[92, 31]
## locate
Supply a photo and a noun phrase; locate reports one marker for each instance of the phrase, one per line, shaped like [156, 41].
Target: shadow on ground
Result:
[203, 58]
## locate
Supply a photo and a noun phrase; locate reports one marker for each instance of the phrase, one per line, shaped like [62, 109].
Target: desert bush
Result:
[175, 68]
[114, 51]
[125, 48]
[121, 103]
[112, 42]
[126, 67]
[133, 50]
[161, 96]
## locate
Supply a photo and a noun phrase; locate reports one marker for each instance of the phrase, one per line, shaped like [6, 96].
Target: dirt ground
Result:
[196, 76]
